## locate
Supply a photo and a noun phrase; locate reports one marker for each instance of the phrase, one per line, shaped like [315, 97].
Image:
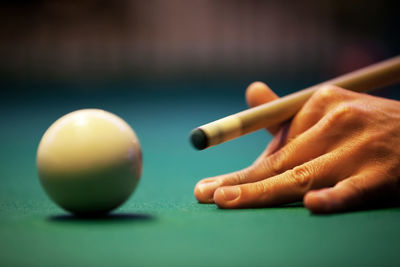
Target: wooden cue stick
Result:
[273, 113]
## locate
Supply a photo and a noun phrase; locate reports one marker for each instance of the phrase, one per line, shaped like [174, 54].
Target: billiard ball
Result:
[89, 161]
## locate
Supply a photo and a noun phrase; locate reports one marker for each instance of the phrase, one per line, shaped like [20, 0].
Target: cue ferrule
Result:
[223, 130]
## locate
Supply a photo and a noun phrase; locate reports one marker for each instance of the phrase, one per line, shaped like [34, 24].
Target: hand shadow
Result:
[369, 206]
[366, 207]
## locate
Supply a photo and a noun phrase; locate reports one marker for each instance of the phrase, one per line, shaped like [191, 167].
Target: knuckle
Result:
[323, 98]
[260, 187]
[327, 93]
[242, 176]
[345, 113]
[238, 177]
[302, 177]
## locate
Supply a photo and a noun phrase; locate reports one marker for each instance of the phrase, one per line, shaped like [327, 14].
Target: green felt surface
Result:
[162, 224]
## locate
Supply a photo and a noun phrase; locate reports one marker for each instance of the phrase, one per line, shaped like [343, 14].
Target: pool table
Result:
[162, 224]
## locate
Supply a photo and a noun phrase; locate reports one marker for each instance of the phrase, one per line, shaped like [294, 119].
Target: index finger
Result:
[258, 93]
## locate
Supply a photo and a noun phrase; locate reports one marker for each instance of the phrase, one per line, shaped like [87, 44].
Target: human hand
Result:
[340, 152]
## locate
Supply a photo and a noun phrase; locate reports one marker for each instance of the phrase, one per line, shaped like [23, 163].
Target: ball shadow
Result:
[102, 218]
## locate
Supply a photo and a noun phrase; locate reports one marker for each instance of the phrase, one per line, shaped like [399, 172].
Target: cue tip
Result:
[199, 139]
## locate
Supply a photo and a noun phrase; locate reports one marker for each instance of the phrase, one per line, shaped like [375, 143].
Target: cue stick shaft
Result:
[275, 112]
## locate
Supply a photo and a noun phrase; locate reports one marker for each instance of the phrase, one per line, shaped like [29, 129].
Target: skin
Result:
[340, 152]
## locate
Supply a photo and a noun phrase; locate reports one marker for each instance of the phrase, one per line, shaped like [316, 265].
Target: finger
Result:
[205, 188]
[324, 100]
[309, 145]
[259, 93]
[287, 187]
[357, 191]
[279, 141]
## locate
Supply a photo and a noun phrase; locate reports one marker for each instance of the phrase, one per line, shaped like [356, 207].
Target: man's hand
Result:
[340, 152]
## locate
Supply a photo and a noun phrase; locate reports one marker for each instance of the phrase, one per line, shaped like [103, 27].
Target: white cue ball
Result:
[89, 161]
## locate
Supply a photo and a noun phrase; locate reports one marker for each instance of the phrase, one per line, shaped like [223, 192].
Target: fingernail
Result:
[231, 193]
[205, 188]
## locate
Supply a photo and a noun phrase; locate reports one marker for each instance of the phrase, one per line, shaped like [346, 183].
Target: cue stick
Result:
[378, 75]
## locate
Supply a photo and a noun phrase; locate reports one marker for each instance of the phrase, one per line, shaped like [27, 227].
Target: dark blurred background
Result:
[99, 41]
[167, 66]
